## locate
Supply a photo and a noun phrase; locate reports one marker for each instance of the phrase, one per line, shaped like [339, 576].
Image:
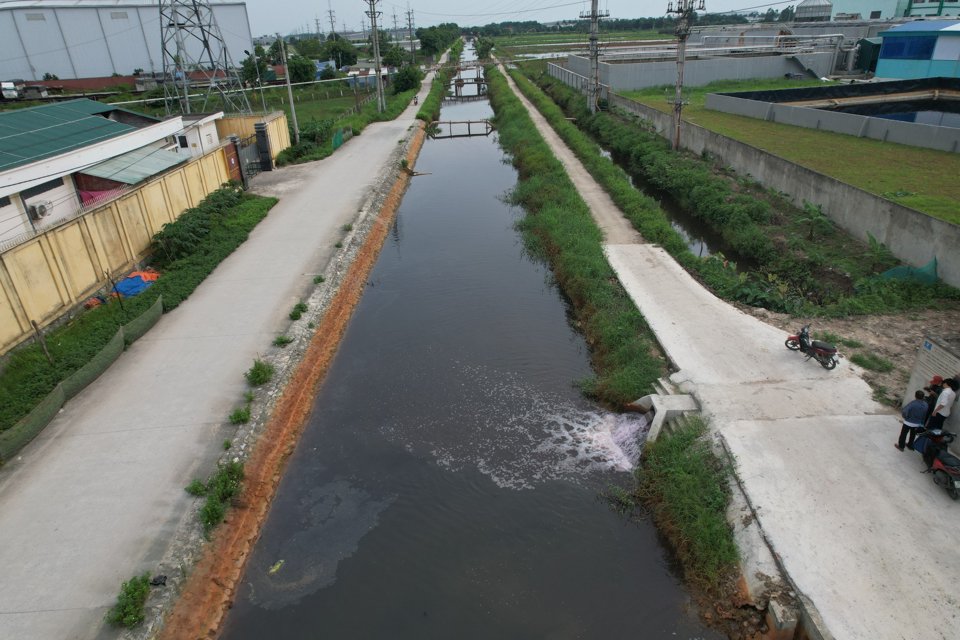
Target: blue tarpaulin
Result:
[131, 286]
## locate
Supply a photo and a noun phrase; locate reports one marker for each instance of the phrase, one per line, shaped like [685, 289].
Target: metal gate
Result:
[249, 156]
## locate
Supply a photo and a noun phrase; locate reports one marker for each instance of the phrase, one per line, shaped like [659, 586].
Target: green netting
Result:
[73, 384]
[134, 330]
[338, 138]
[20, 434]
[926, 274]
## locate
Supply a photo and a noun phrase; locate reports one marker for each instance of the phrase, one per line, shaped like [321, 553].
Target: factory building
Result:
[98, 38]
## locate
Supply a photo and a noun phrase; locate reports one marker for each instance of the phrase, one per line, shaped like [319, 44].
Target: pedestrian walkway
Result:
[98, 496]
[861, 532]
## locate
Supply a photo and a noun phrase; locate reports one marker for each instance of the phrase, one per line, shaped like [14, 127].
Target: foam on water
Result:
[521, 436]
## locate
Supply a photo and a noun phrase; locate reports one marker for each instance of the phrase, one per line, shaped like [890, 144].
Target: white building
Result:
[97, 38]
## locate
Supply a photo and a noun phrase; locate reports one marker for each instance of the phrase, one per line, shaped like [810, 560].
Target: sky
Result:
[289, 16]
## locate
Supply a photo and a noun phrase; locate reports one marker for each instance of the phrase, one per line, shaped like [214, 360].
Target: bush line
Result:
[430, 110]
[185, 251]
[559, 228]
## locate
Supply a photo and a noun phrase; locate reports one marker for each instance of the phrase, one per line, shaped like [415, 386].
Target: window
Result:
[182, 141]
[874, 15]
[4, 201]
[41, 188]
[908, 48]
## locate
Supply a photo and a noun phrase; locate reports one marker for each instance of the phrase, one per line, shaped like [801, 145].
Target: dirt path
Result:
[840, 507]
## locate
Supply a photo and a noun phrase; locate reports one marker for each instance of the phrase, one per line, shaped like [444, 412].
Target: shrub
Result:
[407, 79]
[298, 310]
[221, 489]
[128, 611]
[260, 373]
[196, 488]
[282, 341]
[240, 415]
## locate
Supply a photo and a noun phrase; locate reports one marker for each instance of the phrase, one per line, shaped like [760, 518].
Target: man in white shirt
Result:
[945, 400]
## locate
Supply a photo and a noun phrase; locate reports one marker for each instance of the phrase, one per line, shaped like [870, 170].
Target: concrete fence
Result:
[242, 126]
[912, 236]
[52, 273]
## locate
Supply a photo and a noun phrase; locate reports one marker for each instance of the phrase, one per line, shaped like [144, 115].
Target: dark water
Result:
[447, 483]
[942, 113]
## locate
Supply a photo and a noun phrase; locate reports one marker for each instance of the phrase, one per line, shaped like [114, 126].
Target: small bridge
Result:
[449, 98]
[442, 129]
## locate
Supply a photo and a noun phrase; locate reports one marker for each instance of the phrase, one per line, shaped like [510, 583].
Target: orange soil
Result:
[209, 591]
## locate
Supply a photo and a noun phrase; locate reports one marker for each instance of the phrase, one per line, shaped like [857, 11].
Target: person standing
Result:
[914, 416]
[941, 410]
[933, 392]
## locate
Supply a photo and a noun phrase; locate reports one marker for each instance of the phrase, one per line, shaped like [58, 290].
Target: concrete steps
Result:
[667, 404]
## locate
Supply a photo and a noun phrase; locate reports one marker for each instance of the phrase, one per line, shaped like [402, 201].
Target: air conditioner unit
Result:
[40, 209]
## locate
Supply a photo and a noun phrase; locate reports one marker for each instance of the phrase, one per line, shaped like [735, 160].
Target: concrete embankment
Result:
[838, 507]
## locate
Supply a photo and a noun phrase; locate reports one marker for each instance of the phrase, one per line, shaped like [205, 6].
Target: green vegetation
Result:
[782, 269]
[871, 361]
[282, 341]
[219, 490]
[558, 227]
[227, 443]
[185, 252]
[128, 611]
[896, 172]
[240, 415]
[318, 279]
[298, 310]
[686, 486]
[430, 108]
[260, 373]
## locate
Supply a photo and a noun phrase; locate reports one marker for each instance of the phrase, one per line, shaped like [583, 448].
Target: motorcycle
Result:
[823, 352]
[944, 466]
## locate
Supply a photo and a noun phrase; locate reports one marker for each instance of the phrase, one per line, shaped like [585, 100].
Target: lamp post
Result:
[686, 11]
[256, 66]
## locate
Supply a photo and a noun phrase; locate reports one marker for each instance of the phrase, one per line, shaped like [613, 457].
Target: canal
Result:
[448, 482]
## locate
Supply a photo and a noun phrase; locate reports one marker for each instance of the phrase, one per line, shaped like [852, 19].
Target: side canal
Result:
[448, 482]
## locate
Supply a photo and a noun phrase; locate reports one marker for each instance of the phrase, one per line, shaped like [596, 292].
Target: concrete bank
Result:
[99, 497]
[841, 510]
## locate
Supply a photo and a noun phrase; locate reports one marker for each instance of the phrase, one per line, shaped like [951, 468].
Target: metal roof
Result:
[35, 133]
[138, 165]
[112, 4]
[925, 26]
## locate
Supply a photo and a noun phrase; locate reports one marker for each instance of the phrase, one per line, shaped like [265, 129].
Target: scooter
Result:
[823, 352]
[944, 466]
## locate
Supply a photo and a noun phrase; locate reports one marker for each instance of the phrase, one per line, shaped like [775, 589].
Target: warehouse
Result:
[97, 38]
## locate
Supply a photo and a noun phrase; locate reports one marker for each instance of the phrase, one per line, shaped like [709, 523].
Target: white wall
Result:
[63, 200]
[13, 220]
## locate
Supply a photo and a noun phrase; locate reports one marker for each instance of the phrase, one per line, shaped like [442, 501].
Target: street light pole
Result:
[256, 65]
[293, 107]
[686, 11]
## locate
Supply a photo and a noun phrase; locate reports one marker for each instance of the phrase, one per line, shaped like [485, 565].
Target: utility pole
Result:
[593, 89]
[686, 12]
[373, 14]
[413, 47]
[394, 34]
[256, 66]
[333, 19]
[293, 107]
[316, 21]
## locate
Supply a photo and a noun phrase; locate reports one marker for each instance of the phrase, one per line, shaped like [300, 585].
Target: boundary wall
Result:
[909, 133]
[243, 127]
[912, 236]
[50, 274]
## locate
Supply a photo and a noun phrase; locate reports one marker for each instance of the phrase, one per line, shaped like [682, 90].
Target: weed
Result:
[298, 310]
[348, 228]
[240, 415]
[282, 341]
[318, 279]
[311, 325]
[196, 488]
[221, 488]
[872, 361]
[128, 611]
[248, 396]
[339, 245]
[227, 444]
[621, 500]
[850, 342]
[260, 373]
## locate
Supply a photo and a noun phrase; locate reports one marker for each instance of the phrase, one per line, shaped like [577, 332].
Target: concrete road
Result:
[98, 496]
[862, 533]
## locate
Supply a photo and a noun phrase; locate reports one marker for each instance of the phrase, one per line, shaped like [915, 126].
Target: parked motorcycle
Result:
[823, 352]
[944, 466]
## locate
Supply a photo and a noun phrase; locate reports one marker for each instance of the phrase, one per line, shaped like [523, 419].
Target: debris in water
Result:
[276, 567]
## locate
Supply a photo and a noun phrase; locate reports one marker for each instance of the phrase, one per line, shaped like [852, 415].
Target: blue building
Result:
[921, 49]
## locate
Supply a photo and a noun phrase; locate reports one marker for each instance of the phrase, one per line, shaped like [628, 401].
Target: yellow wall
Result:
[52, 273]
[242, 127]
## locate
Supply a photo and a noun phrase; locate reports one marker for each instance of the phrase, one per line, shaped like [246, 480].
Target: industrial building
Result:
[889, 9]
[98, 38]
[921, 49]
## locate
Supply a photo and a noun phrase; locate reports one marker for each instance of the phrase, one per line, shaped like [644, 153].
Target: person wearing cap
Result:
[945, 400]
[933, 390]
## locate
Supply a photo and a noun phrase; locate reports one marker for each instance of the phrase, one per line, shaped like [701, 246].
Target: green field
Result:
[923, 179]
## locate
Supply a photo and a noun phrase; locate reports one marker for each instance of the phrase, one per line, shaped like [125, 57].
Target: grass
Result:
[196, 488]
[218, 225]
[128, 610]
[685, 485]
[318, 279]
[558, 228]
[282, 341]
[227, 444]
[298, 310]
[833, 338]
[872, 361]
[240, 415]
[897, 172]
[219, 490]
[260, 373]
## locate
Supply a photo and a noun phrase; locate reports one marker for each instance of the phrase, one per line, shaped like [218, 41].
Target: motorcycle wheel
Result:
[827, 363]
[942, 479]
[792, 344]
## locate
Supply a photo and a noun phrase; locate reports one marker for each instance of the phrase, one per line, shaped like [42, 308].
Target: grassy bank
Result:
[798, 261]
[430, 109]
[558, 227]
[894, 171]
[185, 252]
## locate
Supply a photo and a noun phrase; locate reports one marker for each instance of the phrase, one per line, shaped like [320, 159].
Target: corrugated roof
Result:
[138, 165]
[28, 135]
[924, 26]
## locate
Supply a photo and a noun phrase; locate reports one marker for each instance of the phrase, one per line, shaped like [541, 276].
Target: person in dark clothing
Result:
[941, 411]
[933, 392]
[914, 417]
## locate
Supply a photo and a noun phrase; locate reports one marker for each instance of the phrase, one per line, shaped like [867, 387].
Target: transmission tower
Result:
[333, 19]
[593, 89]
[195, 56]
[686, 11]
[413, 47]
[373, 14]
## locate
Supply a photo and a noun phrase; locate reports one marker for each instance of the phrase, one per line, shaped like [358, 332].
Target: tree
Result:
[310, 47]
[328, 73]
[301, 69]
[394, 57]
[249, 69]
[339, 50]
[407, 78]
[483, 46]
[787, 15]
[273, 53]
[770, 15]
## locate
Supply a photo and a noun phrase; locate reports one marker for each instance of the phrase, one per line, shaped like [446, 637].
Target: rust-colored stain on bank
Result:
[209, 591]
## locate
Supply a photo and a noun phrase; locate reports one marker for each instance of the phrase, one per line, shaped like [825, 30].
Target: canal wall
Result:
[912, 236]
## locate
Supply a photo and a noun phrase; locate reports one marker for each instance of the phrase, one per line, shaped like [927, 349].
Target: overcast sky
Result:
[288, 16]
